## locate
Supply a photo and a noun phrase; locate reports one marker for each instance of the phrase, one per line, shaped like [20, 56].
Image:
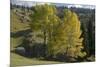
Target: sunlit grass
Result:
[17, 60]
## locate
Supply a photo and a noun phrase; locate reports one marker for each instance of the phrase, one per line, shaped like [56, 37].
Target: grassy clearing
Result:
[17, 60]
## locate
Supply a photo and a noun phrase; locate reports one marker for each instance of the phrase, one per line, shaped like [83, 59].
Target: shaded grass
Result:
[14, 42]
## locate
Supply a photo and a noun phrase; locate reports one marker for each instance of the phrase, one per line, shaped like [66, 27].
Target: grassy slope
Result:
[16, 26]
[16, 59]
[20, 60]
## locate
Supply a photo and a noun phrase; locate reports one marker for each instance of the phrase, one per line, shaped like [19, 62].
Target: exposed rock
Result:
[20, 50]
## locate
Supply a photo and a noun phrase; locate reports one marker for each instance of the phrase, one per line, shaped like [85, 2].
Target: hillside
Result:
[18, 33]
[21, 35]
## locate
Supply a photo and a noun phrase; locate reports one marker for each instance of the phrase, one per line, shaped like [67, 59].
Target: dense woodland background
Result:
[51, 33]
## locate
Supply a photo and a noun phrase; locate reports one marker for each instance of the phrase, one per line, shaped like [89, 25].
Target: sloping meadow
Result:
[48, 33]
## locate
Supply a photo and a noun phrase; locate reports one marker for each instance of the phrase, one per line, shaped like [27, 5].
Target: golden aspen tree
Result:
[41, 19]
[73, 32]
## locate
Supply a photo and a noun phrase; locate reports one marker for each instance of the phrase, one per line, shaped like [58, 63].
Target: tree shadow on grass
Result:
[20, 33]
[36, 50]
